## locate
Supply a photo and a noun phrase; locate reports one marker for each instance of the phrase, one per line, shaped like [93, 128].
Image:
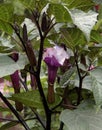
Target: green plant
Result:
[66, 35]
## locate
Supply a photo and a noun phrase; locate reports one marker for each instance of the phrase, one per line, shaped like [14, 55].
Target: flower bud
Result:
[45, 24]
[30, 53]
[15, 81]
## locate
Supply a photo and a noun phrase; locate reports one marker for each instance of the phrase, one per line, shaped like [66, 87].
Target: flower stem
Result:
[51, 94]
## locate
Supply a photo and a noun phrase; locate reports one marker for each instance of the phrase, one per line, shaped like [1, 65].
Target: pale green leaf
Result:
[97, 74]
[97, 92]
[87, 82]
[98, 1]
[8, 66]
[84, 21]
[83, 118]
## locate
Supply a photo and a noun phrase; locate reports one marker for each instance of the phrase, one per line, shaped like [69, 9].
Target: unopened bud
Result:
[25, 36]
[30, 53]
[45, 24]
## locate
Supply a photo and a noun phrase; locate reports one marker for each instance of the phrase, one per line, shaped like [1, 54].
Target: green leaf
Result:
[31, 98]
[67, 38]
[6, 17]
[79, 4]
[66, 77]
[97, 85]
[8, 66]
[84, 21]
[71, 38]
[97, 92]
[8, 125]
[83, 118]
[87, 82]
[97, 74]
[56, 9]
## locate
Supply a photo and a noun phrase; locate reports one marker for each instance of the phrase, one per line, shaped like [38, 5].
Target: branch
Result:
[23, 83]
[14, 112]
[39, 118]
[80, 80]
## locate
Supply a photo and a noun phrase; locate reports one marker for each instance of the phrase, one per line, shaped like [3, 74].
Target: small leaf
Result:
[84, 21]
[8, 125]
[3, 109]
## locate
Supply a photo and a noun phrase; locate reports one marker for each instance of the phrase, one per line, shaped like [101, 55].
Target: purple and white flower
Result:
[54, 57]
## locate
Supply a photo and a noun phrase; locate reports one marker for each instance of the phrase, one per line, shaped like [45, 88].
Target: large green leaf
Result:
[79, 4]
[8, 66]
[97, 92]
[97, 74]
[87, 82]
[83, 118]
[6, 17]
[71, 37]
[60, 12]
[31, 98]
[84, 21]
[97, 85]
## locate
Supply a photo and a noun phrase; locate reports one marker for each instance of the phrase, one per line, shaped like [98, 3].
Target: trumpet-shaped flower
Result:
[54, 58]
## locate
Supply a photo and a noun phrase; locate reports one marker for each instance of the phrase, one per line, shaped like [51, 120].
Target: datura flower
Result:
[54, 57]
